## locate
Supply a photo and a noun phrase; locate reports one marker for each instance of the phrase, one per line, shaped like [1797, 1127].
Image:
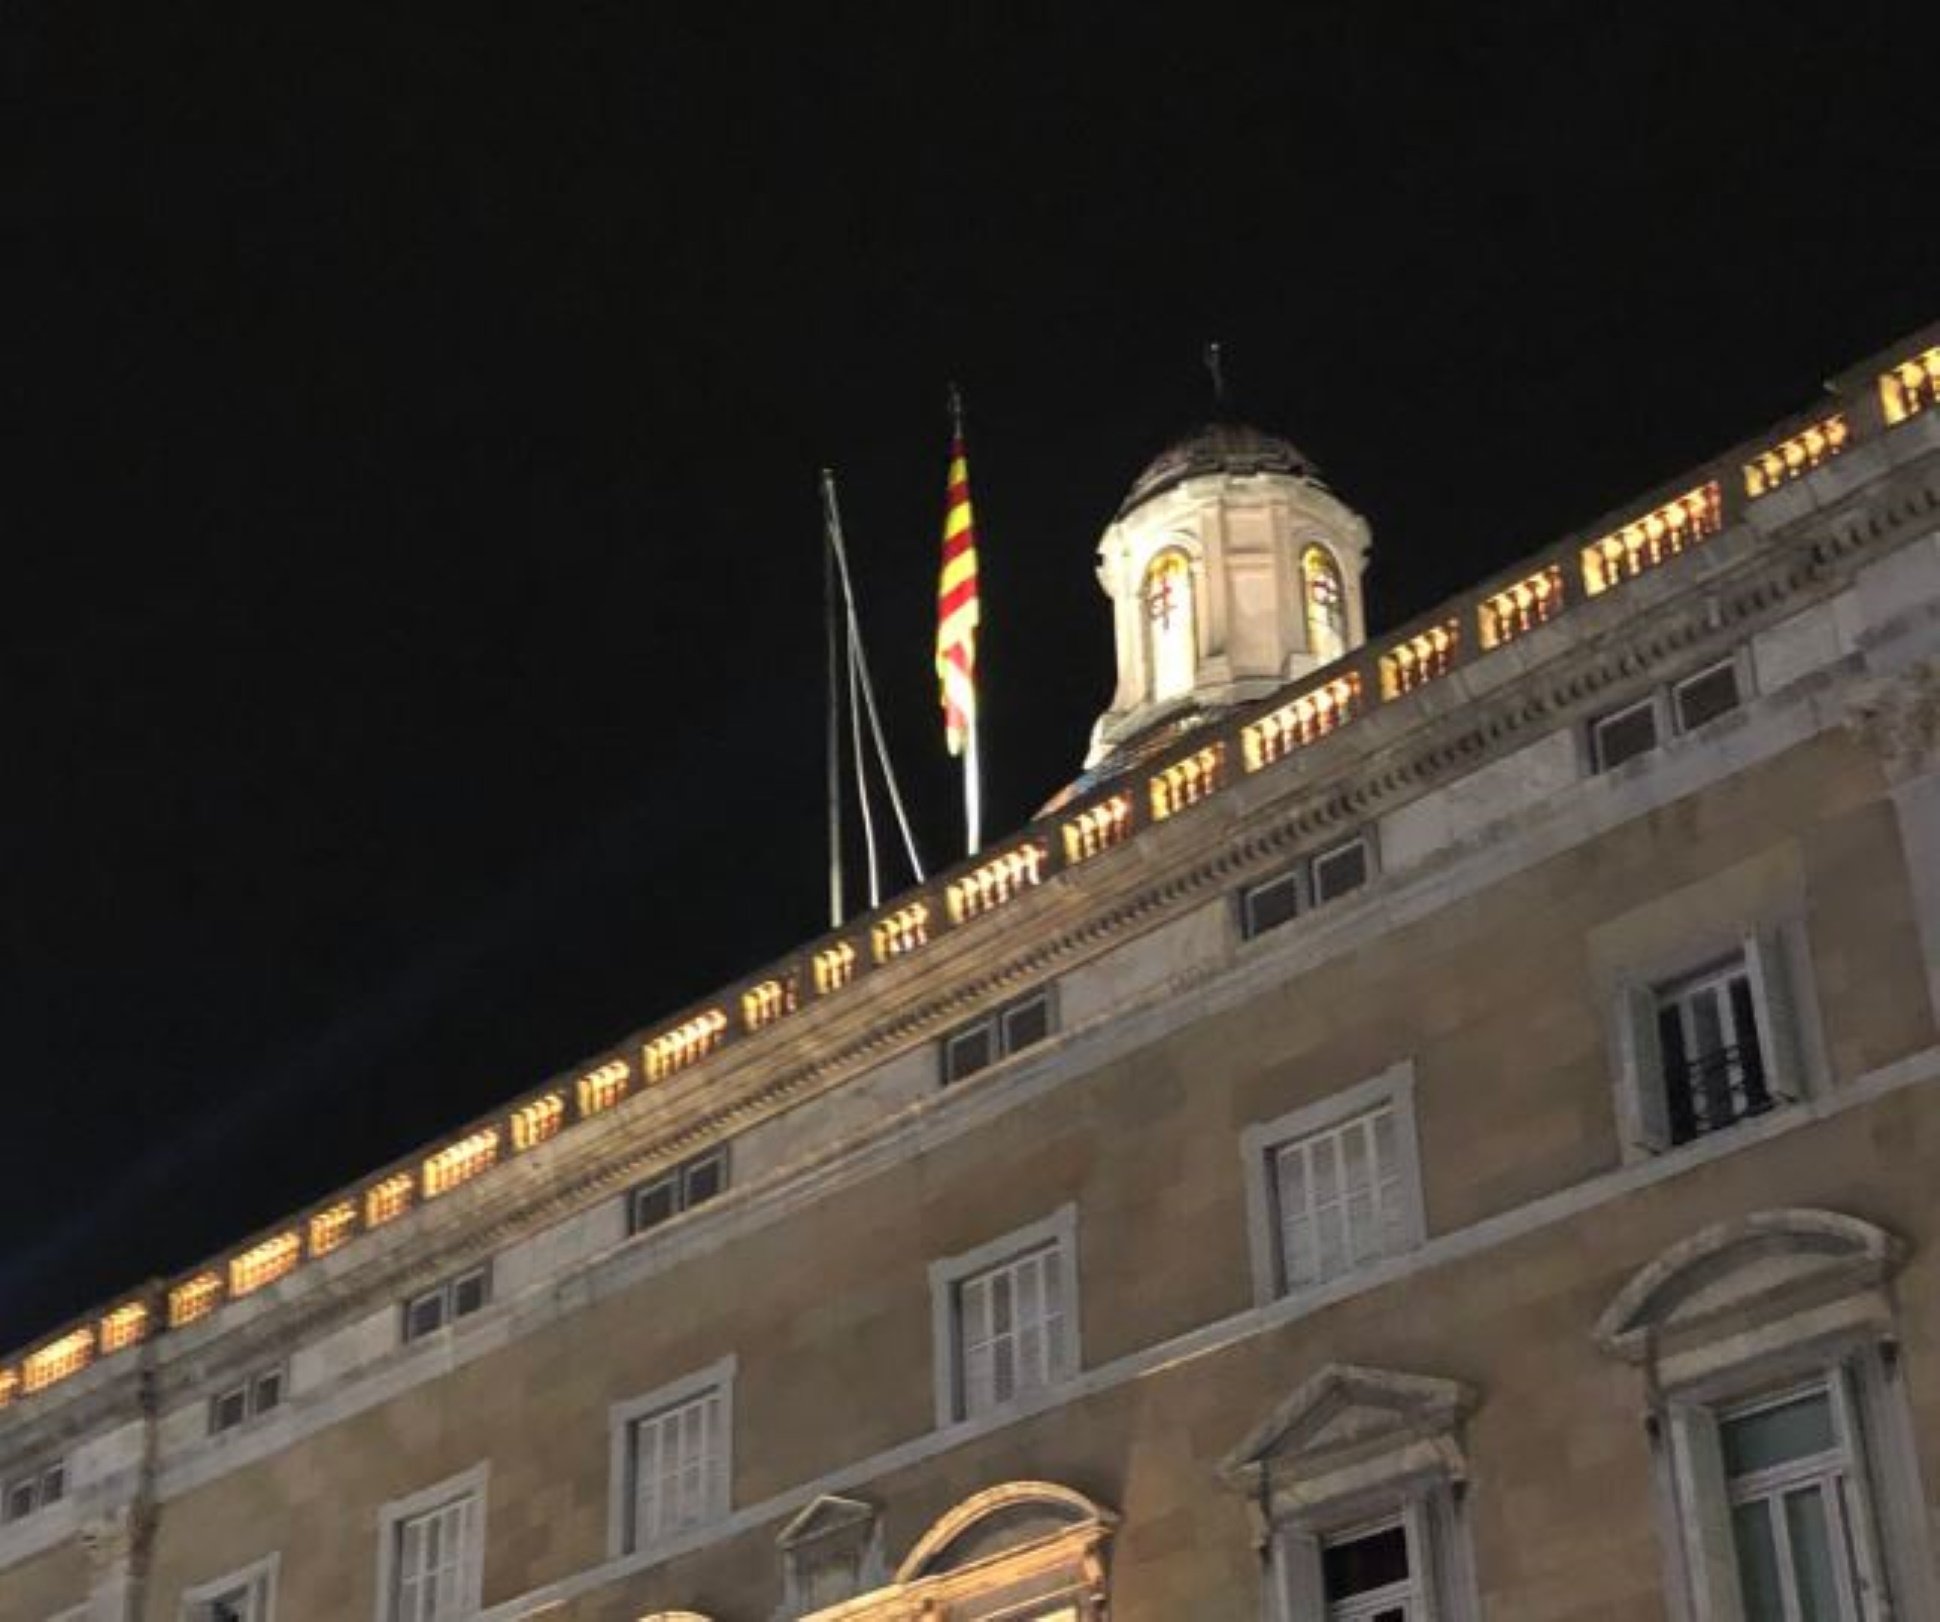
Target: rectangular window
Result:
[1368, 1576]
[1269, 905]
[1340, 1200]
[457, 1297]
[1340, 870]
[1705, 696]
[677, 1467]
[1314, 882]
[997, 1035]
[1010, 1328]
[33, 1490]
[436, 1563]
[247, 1399]
[681, 1189]
[1712, 1059]
[1625, 734]
[242, 1596]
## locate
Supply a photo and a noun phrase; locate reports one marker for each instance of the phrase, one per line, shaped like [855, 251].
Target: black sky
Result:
[411, 657]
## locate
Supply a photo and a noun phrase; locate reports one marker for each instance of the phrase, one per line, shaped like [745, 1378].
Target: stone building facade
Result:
[1432, 1127]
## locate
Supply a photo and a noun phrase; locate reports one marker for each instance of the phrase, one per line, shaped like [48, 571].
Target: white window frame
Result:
[1303, 879]
[1666, 714]
[622, 1422]
[1261, 1142]
[1440, 1586]
[391, 1519]
[258, 1580]
[678, 1177]
[1778, 964]
[994, 1026]
[250, 1388]
[1059, 1232]
[446, 1289]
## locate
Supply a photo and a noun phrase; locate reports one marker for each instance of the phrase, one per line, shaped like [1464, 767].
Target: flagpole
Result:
[832, 751]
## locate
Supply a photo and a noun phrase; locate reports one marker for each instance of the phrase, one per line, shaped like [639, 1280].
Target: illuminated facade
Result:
[1432, 1126]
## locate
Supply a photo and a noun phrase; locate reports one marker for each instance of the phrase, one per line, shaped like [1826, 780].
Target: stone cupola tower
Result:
[1232, 570]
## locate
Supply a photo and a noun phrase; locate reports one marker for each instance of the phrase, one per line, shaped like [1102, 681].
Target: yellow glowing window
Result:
[387, 1201]
[1520, 608]
[996, 881]
[1187, 782]
[1795, 457]
[764, 1004]
[264, 1264]
[1655, 538]
[537, 1121]
[332, 1227]
[194, 1299]
[460, 1162]
[1097, 828]
[603, 1088]
[687, 1043]
[1171, 640]
[1326, 600]
[902, 931]
[1420, 660]
[57, 1360]
[124, 1326]
[1911, 387]
[1312, 715]
[834, 967]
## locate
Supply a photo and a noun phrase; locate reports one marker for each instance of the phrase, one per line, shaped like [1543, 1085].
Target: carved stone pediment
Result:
[1738, 1275]
[825, 1517]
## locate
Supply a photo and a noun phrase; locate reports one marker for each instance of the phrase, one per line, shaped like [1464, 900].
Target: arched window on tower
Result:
[1326, 604]
[1171, 643]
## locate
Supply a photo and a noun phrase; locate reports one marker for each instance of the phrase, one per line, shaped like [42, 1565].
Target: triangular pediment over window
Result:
[1347, 1426]
[1738, 1277]
[825, 1517]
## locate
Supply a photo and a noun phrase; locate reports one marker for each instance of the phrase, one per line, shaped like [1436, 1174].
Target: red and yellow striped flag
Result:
[957, 612]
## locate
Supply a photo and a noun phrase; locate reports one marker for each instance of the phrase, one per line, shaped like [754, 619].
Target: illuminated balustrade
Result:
[764, 1004]
[387, 1201]
[834, 967]
[459, 1163]
[1795, 457]
[126, 1326]
[332, 1228]
[264, 1264]
[1097, 828]
[537, 1121]
[194, 1299]
[9, 1386]
[1423, 658]
[687, 1043]
[601, 1089]
[1655, 538]
[1312, 715]
[905, 929]
[1001, 879]
[1186, 782]
[57, 1360]
[1912, 386]
[1518, 609]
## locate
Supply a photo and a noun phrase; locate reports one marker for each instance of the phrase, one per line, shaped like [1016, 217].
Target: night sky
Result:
[412, 656]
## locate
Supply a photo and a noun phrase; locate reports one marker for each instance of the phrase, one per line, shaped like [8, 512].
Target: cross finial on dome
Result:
[1216, 370]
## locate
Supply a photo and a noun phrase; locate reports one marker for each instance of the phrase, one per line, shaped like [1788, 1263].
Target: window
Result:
[247, 1399]
[1718, 1044]
[457, 1297]
[830, 1552]
[31, 1490]
[1312, 882]
[1686, 705]
[431, 1551]
[1326, 605]
[1171, 638]
[1367, 1576]
[1334, 1187]
[681, 1189]
[1005, 1319]
[997, 1035]
[670, 1460]
[242, 1596]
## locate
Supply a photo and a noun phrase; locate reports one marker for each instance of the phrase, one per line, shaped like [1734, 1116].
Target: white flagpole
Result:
[973, 785]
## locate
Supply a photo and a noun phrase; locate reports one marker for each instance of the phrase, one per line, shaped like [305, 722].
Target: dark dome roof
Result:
[1219, 447]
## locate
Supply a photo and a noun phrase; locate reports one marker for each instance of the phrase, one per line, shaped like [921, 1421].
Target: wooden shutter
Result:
[1776, 1009]
[1874, 1602]
[1296, 1579]
[1704, 1516]
[1641, 1064]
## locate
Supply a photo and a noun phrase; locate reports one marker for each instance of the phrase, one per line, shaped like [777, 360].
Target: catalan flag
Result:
[957, 612]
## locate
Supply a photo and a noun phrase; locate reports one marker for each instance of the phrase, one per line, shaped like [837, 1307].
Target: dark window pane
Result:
[1362, 1565]
[653, 1204]
[1625, 735]
[1269, 905]
[424, 1315]
[705, 1178]
[229, 1410]
[1706, 696]
[1799, 1429]
[966, 1053]
[20, 1500]
[468, 1294]
[53, 1484]
[1026, 1023]
[1339, 871]
[269, 1391]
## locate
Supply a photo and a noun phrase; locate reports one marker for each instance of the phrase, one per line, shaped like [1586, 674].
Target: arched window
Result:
[1171, 650]
[1326, 604]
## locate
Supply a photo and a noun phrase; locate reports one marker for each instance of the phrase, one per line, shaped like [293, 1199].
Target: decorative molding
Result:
[1898, 717]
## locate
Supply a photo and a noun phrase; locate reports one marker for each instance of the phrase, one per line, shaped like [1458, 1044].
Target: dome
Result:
[1220, 447]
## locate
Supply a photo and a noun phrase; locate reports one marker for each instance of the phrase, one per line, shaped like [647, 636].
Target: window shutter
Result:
[1303, 1598]
[1642, 1060]
[1875, 1603]
[1423, 1558]
[1777, 1012]
[472, 1552]
[1704, 1516]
